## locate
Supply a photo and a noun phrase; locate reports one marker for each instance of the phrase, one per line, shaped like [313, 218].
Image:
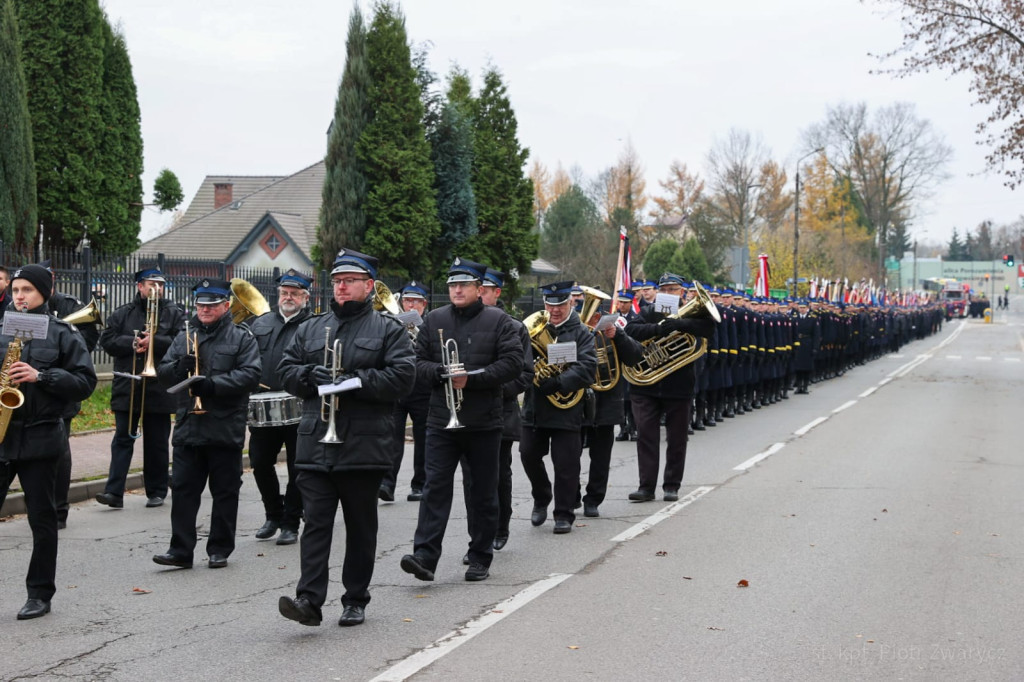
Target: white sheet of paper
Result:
[25, 325]
[410, 317]
[347, 385]
[667, 304]
[561, 353]
[606, 321]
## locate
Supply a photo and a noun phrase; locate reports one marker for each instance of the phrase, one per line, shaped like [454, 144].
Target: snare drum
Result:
[276, 408]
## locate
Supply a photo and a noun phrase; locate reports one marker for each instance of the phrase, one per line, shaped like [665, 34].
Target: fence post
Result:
[273, 296]
[160, 262]
[87, 273]
[223, 270]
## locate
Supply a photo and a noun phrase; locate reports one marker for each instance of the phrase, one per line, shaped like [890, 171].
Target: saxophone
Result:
[10, 397]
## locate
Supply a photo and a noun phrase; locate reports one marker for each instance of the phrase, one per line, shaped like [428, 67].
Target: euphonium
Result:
[664, 355]
[607, 356]
[88, 315]
[10, 397]
[383, 299]
[540, 337]
[246, 301]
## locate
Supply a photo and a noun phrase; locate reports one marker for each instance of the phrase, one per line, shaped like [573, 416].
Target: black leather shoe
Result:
[155, 502]
[465, 559]
[642, 495]
[218, 561]
[671, 495]
[623, 435]
[34, 608]
[500, 540]
[697, 426]
[61, 524]
[562, 527]
[590, 511]
[633, 437]
[477, 572]
[287, 537]
[386, 494]
[267, 530]
[110, 500]
[539, 515]
[299, 610]
[352, 615]
[415, 495]
[171, 560]
[414, 565]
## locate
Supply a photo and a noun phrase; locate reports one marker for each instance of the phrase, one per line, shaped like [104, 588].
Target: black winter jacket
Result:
[538, 412]
[66, 376]
[117, 338]
[374, 347]
[610, 404]
[273, 335]
[679, 384]
[487, 339]
[229, 357]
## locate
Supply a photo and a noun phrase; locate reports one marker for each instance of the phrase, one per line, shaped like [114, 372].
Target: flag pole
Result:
[618, 269]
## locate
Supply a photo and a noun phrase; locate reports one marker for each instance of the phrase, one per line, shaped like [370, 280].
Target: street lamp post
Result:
[796, 219]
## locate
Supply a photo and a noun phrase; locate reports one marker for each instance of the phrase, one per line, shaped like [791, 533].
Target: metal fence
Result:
[110, 280]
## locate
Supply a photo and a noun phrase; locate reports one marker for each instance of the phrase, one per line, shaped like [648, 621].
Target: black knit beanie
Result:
[37, 276]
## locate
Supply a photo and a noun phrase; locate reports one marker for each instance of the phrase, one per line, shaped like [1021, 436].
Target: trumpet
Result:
[330, 403]
[193, 340]
[452, 367]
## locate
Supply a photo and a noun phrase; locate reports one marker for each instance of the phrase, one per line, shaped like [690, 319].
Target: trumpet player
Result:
[555, 428]
[50, 373]
[209, 425]
[343, 455]
[467, 352]
[137, 335]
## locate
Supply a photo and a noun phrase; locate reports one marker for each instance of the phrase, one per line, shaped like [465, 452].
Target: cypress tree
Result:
[504, 194]
[343, 210]
[452, 153]
[401, 213]
[62, 52]
[17, 166]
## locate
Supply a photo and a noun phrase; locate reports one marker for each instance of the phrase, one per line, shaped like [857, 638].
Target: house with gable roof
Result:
[252, 221]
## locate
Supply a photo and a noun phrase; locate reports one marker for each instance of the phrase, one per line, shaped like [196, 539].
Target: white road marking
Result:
[759, 456]
[1012, 359]
[848, 403]
[868, 392]
[807, 427]
[456, 638]
[953, 357]
[659, 516]
[983, 358]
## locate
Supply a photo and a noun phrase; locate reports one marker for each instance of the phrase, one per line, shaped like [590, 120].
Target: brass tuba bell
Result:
[246, 301]
[383, 299]
[537, 327]
[607, 357]
[90, 314]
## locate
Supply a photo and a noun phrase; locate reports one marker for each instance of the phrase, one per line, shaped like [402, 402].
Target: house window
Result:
[273, 243]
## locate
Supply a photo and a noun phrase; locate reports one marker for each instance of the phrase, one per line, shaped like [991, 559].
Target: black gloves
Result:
[320, 375]
[203, 388]
[185, 364]
[672, 324]
[549, 386]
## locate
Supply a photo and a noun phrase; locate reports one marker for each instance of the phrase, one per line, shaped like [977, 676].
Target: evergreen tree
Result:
[119, 195]
[62, 52]
[658, 258]
[451, 149]
[343, 210]
[504, 195]
[167, 194]
[957, 250]
[689, 261]
[401, 213]
[17, 165]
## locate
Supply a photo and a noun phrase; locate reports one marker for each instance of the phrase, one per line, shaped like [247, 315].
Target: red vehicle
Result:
[956, 296]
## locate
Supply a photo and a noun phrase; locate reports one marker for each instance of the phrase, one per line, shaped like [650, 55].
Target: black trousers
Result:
[193, 466]
[62, 484]
[566, 448]
[601, 439]
[647, 413]
[37, 478]
[265, 443]
[321, 493]
[504, 488]
[478, 451]
[417, 411]
[156, 432]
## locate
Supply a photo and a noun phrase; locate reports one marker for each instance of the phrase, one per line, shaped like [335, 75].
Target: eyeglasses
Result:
[348, 281]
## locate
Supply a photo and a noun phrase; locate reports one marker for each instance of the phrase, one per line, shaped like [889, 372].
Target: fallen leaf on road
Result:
[573, 647]
[407, 620]
[956, 532]
[139, 590]
[260, 554]
[686, 577]
[281, 568]
[661, 553]
[994, 535]
[421, 596]
[743, 583]
[885, 511]
[712, 627]
[497, 611]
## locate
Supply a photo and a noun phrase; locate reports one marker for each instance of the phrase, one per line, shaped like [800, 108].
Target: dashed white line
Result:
[807, 427]
[659, 516]
[759, 456]
[848, 403]
[953, 357]
[868, 392]
[1012, 359]
[456, 638]
[983, 358]
[884, 381]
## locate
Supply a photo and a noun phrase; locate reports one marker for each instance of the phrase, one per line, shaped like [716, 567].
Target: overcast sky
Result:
[247, 87]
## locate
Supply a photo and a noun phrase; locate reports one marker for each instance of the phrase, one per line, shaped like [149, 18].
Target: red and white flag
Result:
[763, 276]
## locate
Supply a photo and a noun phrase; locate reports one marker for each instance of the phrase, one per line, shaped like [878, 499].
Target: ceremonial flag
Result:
[763, 275]
[625, 275]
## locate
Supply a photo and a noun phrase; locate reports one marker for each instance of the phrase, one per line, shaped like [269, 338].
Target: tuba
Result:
[664, 355]
[90, 314]
[383, 299]
[246, 301]
[540, 337]
[607, 356]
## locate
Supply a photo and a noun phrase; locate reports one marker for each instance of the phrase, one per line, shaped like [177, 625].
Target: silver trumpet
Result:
[329, 403]
[452, 367]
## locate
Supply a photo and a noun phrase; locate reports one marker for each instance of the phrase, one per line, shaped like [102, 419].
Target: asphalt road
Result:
[876, 523]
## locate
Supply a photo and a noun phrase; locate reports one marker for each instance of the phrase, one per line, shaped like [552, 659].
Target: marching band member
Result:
[56, 371]
[468, 351]
[209, 426]
[140, 405]
[274, 331]
[343, 457]
[670, 396]
[547, 427]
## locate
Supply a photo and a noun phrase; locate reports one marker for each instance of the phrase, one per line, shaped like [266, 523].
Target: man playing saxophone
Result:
[489, 354]
[50, 373]
[137, 335]
[343, 455]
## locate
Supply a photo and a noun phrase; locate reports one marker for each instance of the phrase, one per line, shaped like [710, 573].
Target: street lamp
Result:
[745, 251]
[796, 218]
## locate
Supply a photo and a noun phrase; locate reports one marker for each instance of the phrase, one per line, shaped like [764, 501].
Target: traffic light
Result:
[1008, 260]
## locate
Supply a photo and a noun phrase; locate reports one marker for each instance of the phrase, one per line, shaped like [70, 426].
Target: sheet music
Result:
[560, 353]
[347, 385]
[607, 321]
[667, 303]
[25, 325]
[410, 318]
